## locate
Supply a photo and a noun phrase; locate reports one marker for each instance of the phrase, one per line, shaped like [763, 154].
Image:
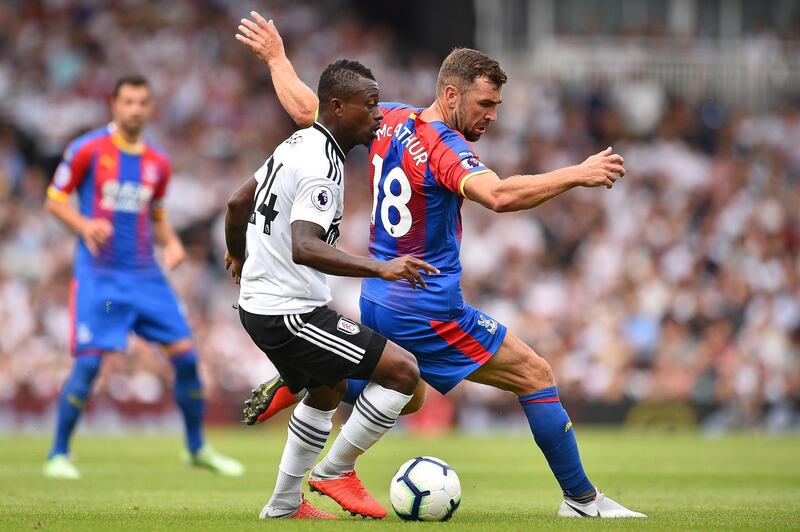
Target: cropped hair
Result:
[340, 79]
[134, 80]
[464, 65]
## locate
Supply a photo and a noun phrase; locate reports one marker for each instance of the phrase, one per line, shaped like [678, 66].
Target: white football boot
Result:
[601, 507]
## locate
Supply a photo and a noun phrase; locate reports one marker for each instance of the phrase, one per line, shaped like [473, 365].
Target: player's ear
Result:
[337, 106]
[450, 94]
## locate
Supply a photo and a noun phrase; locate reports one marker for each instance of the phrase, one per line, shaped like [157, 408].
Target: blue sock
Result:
[553, 433]
[73, 399]
[189, 396]
[354, 389]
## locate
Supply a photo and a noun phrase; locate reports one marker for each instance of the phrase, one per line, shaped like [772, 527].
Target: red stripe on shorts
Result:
[461, 340]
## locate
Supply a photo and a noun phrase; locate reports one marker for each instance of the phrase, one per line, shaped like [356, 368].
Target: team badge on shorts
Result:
[487, 323]
[348, 327]
[322, 198]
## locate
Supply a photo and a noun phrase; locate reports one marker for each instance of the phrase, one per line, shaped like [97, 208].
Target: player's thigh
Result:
[516, 368]
[159, 314]
[101, 313]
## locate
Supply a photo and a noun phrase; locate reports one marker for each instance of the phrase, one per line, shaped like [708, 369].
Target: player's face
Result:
[360, 113]
[131, 108]
[476, 108]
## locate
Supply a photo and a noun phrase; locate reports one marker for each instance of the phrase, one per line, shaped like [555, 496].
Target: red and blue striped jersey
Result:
[418, 170]
[121, 183]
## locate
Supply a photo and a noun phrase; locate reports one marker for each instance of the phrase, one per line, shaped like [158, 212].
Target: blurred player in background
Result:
[422, 168]
[117, 286]
[285, 221]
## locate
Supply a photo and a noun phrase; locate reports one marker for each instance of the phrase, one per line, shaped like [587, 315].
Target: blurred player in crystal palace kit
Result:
[422, 168]
[117, 286]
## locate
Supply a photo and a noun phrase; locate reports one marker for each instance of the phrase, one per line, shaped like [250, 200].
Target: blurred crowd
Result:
[682, 283]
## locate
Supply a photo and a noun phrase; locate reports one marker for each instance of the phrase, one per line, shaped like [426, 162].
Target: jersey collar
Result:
[322, 129]
[124, 145]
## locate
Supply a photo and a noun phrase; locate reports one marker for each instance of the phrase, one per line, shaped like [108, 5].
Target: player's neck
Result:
[132, 140]
[436, 113]
[342, 138]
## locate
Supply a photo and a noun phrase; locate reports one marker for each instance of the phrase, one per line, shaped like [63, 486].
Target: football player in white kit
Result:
[281, 230]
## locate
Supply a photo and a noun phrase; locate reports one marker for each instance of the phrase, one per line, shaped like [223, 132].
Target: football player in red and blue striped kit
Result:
[117, 285]
[422, 167]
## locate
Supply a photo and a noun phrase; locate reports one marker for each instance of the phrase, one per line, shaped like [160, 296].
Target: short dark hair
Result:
[463, 65]
[135, 80]
[339, 79]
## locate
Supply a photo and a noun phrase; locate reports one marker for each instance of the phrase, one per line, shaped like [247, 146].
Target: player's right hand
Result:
[602, 169]
[261, 37]
[95, 232]
[407, 268]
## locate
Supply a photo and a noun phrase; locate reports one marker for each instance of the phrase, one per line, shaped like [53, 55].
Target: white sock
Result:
[374, 413]
[308, 432]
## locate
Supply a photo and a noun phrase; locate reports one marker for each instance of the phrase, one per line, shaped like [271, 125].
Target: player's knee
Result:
[536, 374]
[407, 374]
[403, 373]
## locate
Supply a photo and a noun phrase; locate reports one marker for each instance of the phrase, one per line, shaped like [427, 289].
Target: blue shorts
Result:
[447, 351]
[106, 306]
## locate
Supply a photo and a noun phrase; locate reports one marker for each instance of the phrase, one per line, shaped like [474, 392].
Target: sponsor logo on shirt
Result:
[322, 198]
[128, 197]
[487, 323]
[348, 327]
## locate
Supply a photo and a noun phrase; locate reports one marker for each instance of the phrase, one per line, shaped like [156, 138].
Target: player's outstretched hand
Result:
[95, 232]
[407, 268]
[236, 269]
[602, 169]
[261, 37]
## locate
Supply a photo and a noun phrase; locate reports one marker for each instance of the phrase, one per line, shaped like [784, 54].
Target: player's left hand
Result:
[261, 37]
[236, 271]
[174, 254]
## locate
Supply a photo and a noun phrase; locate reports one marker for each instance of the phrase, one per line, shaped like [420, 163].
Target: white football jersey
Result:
[302, 180]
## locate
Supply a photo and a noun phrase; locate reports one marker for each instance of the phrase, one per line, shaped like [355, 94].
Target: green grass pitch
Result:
[682, 480]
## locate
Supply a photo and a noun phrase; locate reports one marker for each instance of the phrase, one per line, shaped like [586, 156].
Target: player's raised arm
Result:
[262, 37]
[522, 192]
[310, 249]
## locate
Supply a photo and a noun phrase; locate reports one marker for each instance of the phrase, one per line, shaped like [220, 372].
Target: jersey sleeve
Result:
[453, 162]
[71, 171]
[315, 201]
[157, 209]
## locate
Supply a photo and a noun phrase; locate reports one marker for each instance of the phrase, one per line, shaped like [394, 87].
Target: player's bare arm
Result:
[310, 249]
[94, 232]
[262, 37]
[522, 192]
[240, 205]
[164, 234]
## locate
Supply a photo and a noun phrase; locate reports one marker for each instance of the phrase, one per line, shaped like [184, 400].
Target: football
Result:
[425, 489]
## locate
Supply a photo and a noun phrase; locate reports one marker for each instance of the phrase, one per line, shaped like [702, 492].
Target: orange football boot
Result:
[267, 400]
[350, 493]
